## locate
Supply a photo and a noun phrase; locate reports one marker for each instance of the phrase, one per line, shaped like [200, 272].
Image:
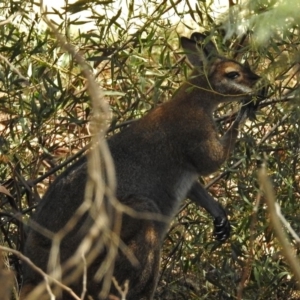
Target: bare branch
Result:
[287, 250]
[47, 278]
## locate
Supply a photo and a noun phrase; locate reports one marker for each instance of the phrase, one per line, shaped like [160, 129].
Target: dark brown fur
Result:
[157, 160]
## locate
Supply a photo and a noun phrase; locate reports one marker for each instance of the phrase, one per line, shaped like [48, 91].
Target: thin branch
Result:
[287, 250]
[286, 223]
[46, 277]
[84, 278]
[123, 291]
[26, 81]
[9, 20]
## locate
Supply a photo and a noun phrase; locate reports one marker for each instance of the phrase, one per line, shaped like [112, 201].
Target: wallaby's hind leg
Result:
[143, 239]
[26, 290]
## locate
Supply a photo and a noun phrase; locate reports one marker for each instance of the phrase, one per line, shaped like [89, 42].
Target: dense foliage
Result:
[135, 56]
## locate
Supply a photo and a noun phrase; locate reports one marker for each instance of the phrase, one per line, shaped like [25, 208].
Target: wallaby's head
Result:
[216, 73]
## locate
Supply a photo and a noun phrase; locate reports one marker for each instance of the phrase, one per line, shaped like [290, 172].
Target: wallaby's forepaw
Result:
[221, 229]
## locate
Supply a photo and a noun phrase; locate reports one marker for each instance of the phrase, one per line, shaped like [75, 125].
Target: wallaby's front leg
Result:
[199, 195]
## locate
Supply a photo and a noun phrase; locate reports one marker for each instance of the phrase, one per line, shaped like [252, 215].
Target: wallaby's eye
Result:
[232, 75]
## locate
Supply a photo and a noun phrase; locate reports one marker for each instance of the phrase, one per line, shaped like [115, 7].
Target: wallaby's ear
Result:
[190, 49]
[246, 65]
[208, 47]
[198, 53]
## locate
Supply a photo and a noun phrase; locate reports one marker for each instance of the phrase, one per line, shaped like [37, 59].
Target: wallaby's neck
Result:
[197, 92]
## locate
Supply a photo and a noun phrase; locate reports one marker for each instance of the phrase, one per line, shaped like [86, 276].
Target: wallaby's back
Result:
[157, 161]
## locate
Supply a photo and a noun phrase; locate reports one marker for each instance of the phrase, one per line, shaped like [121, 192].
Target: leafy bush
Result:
[45, 112]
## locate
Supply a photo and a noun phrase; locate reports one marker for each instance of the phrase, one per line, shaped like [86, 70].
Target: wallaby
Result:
[157, 160]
